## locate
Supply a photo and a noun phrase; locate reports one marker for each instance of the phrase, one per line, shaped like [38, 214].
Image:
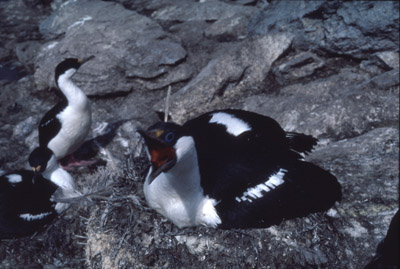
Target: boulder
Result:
[343, 105]
[131, 51]
[354, 29]
[226, 78]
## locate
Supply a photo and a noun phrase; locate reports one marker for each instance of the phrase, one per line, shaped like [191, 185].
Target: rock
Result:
[210, 11]
[228, 29]
[335, 107]
[386, 80]
[367, 160]
[19, 22]
[303, 65]
[377, 160]
[226, 77]
[4, 54]
[24, 128]
[390, 58]
[343, 28]
[19, 115]
[131, 51]
[26, 53]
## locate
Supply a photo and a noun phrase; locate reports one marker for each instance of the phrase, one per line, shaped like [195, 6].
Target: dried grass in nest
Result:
[114, 228]
[124, 233]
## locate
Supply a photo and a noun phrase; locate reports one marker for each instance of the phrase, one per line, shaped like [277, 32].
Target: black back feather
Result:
[50, 125]
[24, 197]
[229, 165]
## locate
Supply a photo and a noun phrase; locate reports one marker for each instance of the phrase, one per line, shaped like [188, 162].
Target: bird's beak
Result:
[36, 171]
[163, 156]
[84, 60]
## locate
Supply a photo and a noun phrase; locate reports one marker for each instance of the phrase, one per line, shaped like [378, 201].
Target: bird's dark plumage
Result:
[256, 153]
[248, 165]
[49, 125]
[64, 127]
[40, 157]
[388, 251]
[65, 65]
[25, 205]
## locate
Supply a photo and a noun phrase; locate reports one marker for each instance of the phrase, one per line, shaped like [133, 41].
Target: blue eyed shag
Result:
[233, 169]
[25, 203]
[64, 128]
[42, 160]
[26, 197]
[387, 252]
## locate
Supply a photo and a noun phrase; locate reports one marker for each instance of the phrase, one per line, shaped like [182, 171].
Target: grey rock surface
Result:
[226, 78]
[343, 28]
[329, 69]
[209, 11]
[336, 107]
[130, 49]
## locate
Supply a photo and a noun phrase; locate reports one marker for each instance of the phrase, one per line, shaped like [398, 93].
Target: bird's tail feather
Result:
[301, 142]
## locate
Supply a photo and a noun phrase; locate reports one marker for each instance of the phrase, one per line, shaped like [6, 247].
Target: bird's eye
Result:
[169, 137]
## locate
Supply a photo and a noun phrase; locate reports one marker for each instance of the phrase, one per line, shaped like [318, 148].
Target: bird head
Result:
[161, 141]
[69, 66]
[40, 159]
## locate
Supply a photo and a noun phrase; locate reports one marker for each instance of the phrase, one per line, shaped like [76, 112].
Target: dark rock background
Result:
[325, 68]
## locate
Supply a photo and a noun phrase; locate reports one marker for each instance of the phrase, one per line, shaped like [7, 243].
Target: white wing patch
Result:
[30, 217]
[14, 178]
[257, 191]
[233, 125]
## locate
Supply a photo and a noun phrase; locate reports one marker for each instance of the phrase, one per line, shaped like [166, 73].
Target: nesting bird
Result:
[233, 169]
[43, 161]
[26, 197]
[64, 128]
[387, 252]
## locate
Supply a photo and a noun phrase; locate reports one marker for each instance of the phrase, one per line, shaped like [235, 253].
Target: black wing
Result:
[24, 198]
[306, 189]
[50, 125]
[230, 163]
[269, 131]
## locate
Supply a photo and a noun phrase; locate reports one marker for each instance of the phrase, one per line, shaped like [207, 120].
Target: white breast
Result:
[177, 194]
[76, 118]
[76, 123]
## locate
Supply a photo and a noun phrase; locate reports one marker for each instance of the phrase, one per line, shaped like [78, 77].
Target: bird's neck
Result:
[181, 185]
[74, 95]
[186, 170]
[59, 176]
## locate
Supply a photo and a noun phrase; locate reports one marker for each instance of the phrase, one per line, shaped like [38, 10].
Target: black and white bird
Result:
[64, 128]
[25, 203]
[387, 252]
[233, 169]
[26, 197]
[43, 161]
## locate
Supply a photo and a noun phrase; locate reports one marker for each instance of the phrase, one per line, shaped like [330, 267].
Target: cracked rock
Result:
[129, 48]
[343, 109]
[224, 78]
[303, 65]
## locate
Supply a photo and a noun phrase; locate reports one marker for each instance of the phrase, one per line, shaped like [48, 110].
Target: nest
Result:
[122, 232]
[112, 227]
